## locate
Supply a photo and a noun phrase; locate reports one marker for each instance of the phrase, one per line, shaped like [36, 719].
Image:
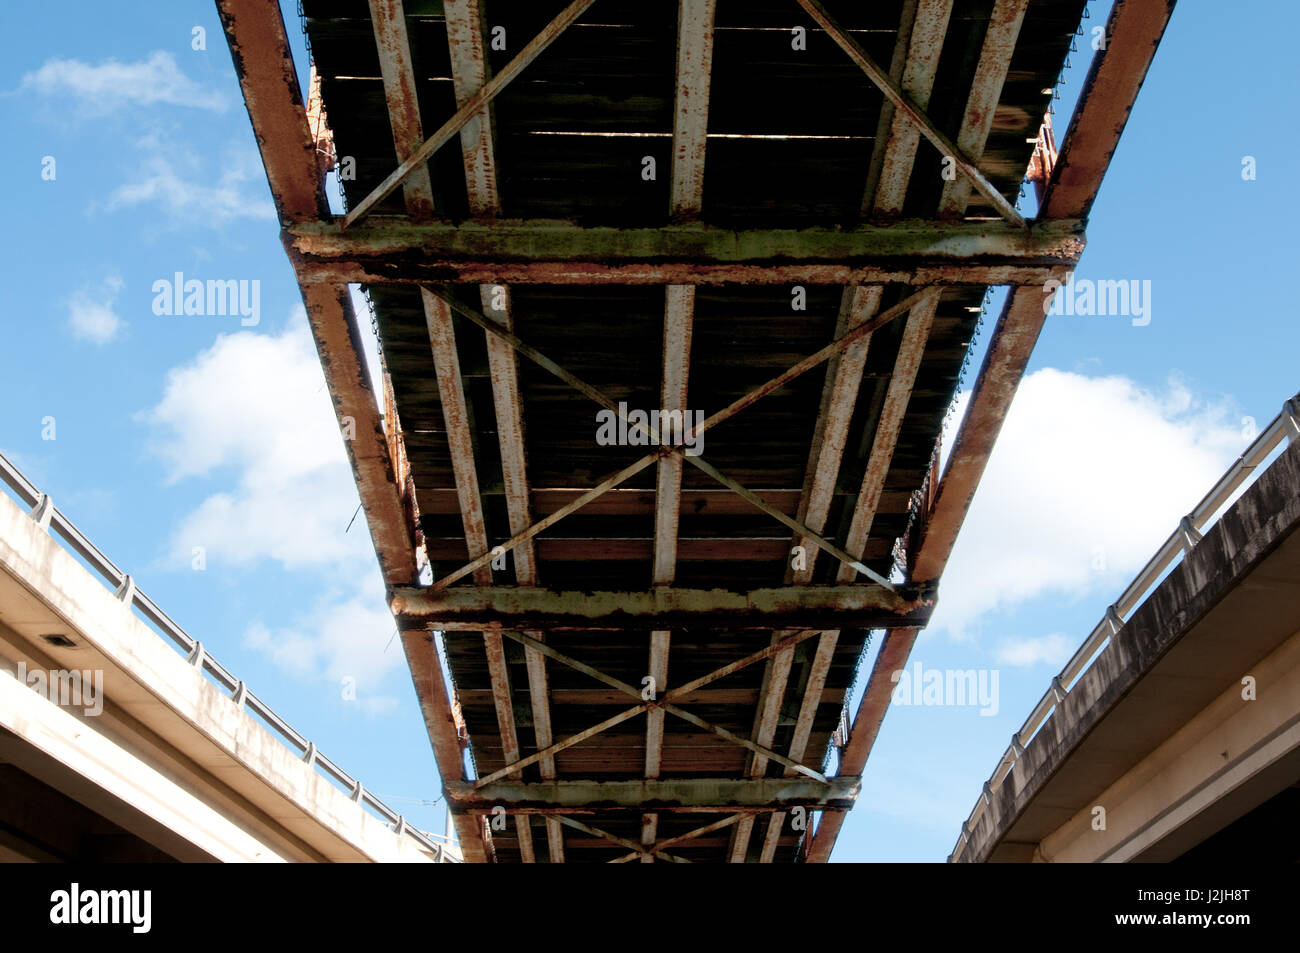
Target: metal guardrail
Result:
[48, 516]
[1285, 428]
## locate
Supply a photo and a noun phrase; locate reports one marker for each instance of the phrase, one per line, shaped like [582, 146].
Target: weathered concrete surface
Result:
[162, 716]
[38, 736]
[1233, 756]
[1231, 603]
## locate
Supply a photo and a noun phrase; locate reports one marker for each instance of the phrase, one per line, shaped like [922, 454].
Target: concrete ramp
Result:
[114, 746]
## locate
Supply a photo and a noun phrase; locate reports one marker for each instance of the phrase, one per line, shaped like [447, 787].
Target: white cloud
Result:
[90, 312]
[111, 84]
[257, 404]
[254, 407]
[298, 525]
[1088, 478]
[1051, 650]
[184, 200]
[351, 639]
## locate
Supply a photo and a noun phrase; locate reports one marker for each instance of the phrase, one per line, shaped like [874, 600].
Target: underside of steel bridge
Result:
[634, 636]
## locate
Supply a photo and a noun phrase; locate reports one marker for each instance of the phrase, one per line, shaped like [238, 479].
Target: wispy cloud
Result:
[348, 642]
[185, 200]
[111, 85]
[1051, 650]
[90, 312]
[255, 404]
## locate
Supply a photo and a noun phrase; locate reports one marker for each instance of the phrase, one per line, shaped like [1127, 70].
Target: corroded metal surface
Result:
[865, 606]
[553, 218]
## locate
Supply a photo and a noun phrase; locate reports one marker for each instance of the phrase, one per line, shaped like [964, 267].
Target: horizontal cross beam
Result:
[691, 796]
[909, 252]
[475, 608]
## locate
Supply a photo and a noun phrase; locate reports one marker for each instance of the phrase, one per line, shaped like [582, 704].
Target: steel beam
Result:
[637, 849]
[1133, 31]
[460, 442]
[338, 343]
[389, 21]
[693, 795]
[260, 50]
[907, 252]
[982, 103]
[999, 43]
[892, 657]
[839, 398]
[1010, 344]
[680, 692]
[691, 107]
[505, 607]
[677, 345]
[664, 702]
[469, 109]
[1133, 34]
[259, 47]
[546, 522]
[837, 346]
[693, 834]
[440, 722]
[656, 848]
[808, 705]
[469, 73]
[905, 106]
[924, 46]
[678, 314]
[889, 427]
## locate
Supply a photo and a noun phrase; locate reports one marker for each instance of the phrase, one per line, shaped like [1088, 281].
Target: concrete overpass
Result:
[122, 739]
[1174, 732]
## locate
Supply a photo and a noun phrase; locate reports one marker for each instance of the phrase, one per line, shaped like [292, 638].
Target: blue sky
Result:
[173, 432]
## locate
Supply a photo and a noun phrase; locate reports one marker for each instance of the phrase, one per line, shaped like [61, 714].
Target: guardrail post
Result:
[1112, 617]
[1191, 536]
[42, 512]
[1292, 411]
[126, 591]
[1058, 690]
[1016, 746]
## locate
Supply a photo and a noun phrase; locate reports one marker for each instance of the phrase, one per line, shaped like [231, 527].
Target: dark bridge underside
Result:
[485, 436]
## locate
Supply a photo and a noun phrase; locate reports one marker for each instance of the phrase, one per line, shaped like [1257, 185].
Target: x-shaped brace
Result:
[664, 701]
[881, 78]
[837, 346]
